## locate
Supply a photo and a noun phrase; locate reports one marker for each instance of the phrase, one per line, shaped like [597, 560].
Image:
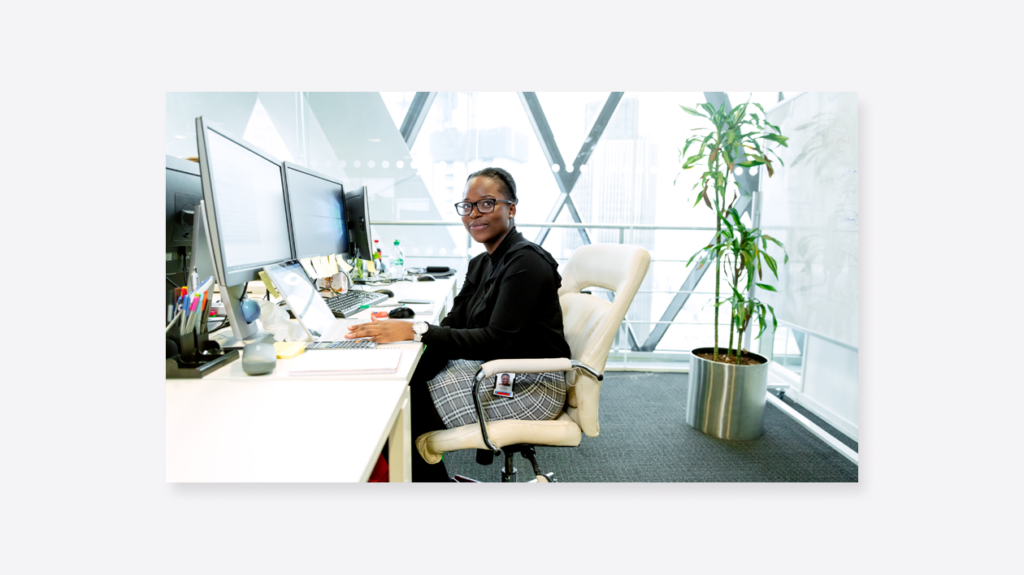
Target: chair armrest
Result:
[496, 366]
[492, 368]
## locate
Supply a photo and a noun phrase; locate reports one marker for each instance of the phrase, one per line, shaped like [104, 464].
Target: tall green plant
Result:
[744, 250]
[733, 139]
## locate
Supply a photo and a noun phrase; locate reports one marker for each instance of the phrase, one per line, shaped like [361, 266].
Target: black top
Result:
[507, 309]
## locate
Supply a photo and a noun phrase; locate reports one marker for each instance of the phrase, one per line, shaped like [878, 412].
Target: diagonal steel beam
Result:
[566, 180]
[415, 115]
[564, 201]
[596, 131]
[743, 203]
[553, 156]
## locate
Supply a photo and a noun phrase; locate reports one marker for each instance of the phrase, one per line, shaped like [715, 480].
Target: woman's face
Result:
[487, 228]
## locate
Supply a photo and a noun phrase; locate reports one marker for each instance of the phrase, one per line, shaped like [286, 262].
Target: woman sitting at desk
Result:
[508, 309]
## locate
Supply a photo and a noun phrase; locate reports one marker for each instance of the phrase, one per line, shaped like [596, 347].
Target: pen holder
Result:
[196, 354]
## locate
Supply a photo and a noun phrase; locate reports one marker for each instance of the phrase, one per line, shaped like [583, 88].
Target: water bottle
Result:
[397, 262]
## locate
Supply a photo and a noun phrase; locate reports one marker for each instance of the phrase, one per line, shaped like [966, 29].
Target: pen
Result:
[174, 319]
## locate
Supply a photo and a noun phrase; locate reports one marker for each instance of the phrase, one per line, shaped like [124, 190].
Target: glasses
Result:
[483, 206]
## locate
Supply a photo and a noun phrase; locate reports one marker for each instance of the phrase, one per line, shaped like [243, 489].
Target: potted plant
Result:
[727, 390]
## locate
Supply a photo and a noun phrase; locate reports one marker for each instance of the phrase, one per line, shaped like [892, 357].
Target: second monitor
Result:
[317, 208]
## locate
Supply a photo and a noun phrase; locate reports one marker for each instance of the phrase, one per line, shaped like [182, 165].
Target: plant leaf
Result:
[692, 111]
[771, 264]
[766, 287]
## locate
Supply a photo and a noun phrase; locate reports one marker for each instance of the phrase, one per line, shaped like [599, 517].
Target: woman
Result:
[508, 308]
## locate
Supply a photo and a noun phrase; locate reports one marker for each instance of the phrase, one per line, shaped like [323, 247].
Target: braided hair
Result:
[502, 176]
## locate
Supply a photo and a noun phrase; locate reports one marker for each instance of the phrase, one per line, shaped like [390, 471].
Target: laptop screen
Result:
[290, 279]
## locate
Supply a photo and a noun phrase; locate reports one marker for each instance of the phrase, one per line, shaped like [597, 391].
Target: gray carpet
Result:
[644, 438]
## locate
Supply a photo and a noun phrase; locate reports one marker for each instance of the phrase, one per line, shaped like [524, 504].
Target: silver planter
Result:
[725, 400]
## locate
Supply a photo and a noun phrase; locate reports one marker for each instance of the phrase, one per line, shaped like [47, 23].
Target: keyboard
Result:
[347, 304]
[352, 344]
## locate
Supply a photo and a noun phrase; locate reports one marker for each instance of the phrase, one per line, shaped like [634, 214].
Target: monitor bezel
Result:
[251, 272]
[347, 252]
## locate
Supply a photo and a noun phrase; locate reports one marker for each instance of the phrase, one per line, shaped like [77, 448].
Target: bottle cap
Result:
[396, 242]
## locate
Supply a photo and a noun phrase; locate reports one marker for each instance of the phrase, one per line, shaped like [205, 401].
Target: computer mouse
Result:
[401, 313]
[259, 357]
[425, 278]
[386, 291]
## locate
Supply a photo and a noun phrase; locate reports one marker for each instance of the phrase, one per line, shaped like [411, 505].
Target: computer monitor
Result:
[357, 204]
[246, 214]
[183, 192]
[316, 206]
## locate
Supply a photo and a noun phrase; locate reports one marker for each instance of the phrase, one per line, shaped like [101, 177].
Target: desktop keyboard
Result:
[347, 304]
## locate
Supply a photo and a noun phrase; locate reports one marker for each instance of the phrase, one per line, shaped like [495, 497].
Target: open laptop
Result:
[309, 308]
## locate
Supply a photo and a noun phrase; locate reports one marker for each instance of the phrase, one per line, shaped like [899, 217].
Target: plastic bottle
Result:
[397, 262]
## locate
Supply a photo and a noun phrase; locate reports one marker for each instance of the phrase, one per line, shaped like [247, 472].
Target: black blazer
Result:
[508, 307]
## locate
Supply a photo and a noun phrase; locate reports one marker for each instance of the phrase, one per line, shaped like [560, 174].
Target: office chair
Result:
[590, 324]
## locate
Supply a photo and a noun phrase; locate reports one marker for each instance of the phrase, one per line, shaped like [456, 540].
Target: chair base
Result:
[509, 472]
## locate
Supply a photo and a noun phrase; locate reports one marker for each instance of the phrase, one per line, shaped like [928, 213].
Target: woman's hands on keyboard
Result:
[383, 331]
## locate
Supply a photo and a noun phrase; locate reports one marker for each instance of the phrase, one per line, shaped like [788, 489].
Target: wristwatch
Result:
[419, 328]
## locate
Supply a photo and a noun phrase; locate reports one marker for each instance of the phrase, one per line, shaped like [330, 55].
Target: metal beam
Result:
[415, 115]
[592, 138]
[743, 203]
[553, 156]
[566, 180]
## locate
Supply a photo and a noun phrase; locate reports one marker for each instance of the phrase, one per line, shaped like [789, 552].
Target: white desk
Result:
[231, 427]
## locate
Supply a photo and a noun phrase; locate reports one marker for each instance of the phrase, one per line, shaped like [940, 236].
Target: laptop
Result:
[305, 302]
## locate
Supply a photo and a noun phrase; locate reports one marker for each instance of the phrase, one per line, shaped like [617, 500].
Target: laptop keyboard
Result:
[347, 304]
[351, 344]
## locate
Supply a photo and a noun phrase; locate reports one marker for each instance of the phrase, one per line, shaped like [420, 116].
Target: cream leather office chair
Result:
[590, 324]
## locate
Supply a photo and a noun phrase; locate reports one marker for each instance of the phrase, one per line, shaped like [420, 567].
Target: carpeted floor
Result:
[644, 438]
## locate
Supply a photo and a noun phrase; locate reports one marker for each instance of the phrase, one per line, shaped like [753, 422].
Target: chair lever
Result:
[480, 376]
[586, 368]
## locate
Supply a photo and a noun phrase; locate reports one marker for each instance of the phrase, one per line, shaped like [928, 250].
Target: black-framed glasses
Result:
[483, 206]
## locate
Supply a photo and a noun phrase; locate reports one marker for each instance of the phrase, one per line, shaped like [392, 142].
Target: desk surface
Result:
[231, 427]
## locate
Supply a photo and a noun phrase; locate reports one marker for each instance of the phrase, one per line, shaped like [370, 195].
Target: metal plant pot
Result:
[725, 400]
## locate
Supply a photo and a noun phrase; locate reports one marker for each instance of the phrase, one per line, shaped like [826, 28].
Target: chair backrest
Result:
[591, 322]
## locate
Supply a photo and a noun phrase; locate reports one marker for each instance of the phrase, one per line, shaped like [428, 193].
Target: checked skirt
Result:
[535, 396]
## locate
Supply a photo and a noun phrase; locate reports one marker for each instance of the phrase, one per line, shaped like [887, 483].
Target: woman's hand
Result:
[384, 331]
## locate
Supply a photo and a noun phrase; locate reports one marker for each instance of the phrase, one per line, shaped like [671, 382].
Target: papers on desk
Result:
[346, 362]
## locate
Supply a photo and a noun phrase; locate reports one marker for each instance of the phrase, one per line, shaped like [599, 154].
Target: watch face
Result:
[419, 327]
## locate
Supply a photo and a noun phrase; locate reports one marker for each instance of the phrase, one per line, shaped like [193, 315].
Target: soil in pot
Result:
[744, 359]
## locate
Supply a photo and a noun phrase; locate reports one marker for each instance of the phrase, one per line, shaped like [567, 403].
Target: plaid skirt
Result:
[536, 396]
